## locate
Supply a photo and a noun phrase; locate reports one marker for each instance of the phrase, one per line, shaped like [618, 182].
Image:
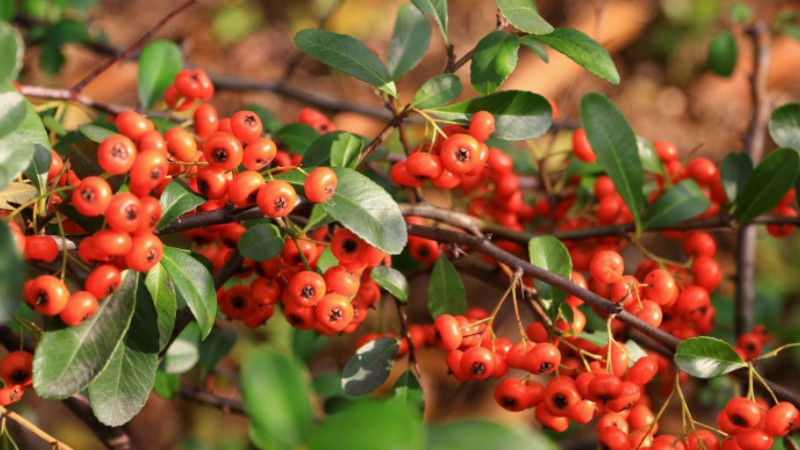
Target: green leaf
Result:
[740, 13]
[216, 346]
[347, 54]
[369, 368]
[83, 160]
[13, 270]
[735, 170]
[335, 149]
[159, 62]
[380, 425]
[11, 49]
[410, 39]
[184, 353]
[68, 359]
[598, 338]
[481, 434]
[707, 357]
[494, 59]
[16, 153]
[193, 284]
[582, 49]
[550, 254]
[6, 442]
[6, 14]
[120, 391]
[12, 111]
[524, 15]
[722, 53]
[518, 115]
[296, 136]
[446, 294]
[536, 47]
[438, 10]
[439, 90]
[784, 125]
[176, 200]
[681, 202]
[167, 385]
[768, 184]
[95, 133]
[408, 390]
[261, 242]
[276, 399]
[159, 284]
[56, 36]
[612, 139]
[648, 155]
[392, 280]
[363, 207]
[30, 131]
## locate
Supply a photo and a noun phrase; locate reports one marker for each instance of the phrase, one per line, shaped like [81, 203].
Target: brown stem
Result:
[205, 398]
[144, 38]
[67, 95]
[384, 133]
[412, 357]
[746, 252]
[41, 434]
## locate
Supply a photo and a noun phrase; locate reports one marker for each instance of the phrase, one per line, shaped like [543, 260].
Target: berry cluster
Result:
[16, 371]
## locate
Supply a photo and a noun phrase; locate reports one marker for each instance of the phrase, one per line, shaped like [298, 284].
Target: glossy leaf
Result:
[193, 286]
[612, 139]
[6, 441]
[550, 254]
[410, 39]
[176, 200]
[216, 347]
[480, 434]
[519, 115]
[120, 391]
[392, 280]
[437, 91]
[770, 181]
[536, 47]
[408, 390]
[184, 352]
[11, 49]
[83, 160]
[380, 425]
[524, 15]
[648, 155]
[261, 242]
[438, 10]
[13, 270]
[296, 136]
[722, 53]
[707, 357]
[68, 359]
[363, 207]
[12, 111]
[95, 133]
[784, 126]
[335, 149]
[159, 62]
[370, 366]
[494, 59]
[32, 131]
[446, 294]
[276, 399]
[347, 54]
[15, 155]
[159, 284]
[582, 49]
[735, 170]
[167, 385]
[681, 202]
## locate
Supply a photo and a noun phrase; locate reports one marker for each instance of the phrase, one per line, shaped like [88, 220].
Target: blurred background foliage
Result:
[661, 48]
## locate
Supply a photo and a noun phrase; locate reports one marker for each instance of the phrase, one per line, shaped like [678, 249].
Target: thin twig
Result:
[41, 434]
[205, 398]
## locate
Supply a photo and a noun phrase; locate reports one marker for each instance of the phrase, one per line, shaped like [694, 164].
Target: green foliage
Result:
[518, 115]
[707, 357]
[735, 170]
[438, 10]
[648, 156]
[446, 294]
[524, 15]
[83, 160]
[768, 184]
[56, 36]
[438, 91]
[276, 399]
[494, 59]
[722, 53]
[193, 286]
[784, 126]
[408, 390]
[261, 242]
[335, 149]
[379, 424]
[550, 254]
[12, 111]
[184, 352]
[681, 202]
[216, 346]
[68, 359]
[159, 62]
[370, 366]
[176, 200]
[296, 136]
[12, 49]
[392, 280]
[612, 139]
[13, 270]
[583, 50]
[159, 284]
[480, 434]
[410, 39]
[347, 54]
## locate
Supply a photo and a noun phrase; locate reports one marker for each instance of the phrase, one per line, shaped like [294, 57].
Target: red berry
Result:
[581, 148]
[607, 266]
[92, 196]
[320, 184]
[80, 306]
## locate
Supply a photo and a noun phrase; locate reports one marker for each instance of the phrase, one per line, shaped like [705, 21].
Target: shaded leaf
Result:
[16, 153]
[770, 181]
[437, 91]
[83, 160]
[446, 294]
[95, 133]
[167, 385]
[481, 434]
[193, 286]
[13, 270]
[12, 111]
[784, 126]
[369, 368]
[184, 352]
[536, 47]
[707, 357]
[735, 170]
[408, 390]
[392, 280]
[681, 202]
[582, 49]
[11, 49]
[524, 15]
[380, 425]
[438, 10]
[494, 59]
[410, 39]
[176, 200]
[159, 62]
[550, 254]
[296, 136]
[722, 53]
[261, 242]
[335, 149]
[216, 347]
[159, 284]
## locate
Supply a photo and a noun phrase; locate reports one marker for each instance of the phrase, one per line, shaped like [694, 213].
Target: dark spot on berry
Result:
[155, 174]
[295, 319]
[238, 302]
[307, 292]
[19, 376]
[131, 212]
[335, 315]
[462, 155]
[119, 151]
[151, 255]
[280, 204]
[738, 421]
[203, 186]
[510, 402]
[545, 366]
[560, 401]
[250, 120]
[42, 298]
[220, 154]
[350, 246]
[88, 195]
[478, 368]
